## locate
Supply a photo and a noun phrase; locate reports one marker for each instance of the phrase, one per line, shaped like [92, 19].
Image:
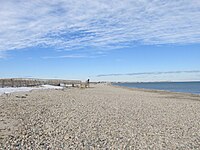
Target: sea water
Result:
[184, 87]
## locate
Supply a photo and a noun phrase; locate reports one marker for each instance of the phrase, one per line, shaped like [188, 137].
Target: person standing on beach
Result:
[88, 82]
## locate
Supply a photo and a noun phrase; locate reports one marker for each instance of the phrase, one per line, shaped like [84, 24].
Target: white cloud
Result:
[192, 75]
[101, 24]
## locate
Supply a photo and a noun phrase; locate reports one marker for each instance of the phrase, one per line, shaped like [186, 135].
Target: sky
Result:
[143, 40]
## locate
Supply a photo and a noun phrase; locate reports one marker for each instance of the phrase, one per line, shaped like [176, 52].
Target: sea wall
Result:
[23, 82]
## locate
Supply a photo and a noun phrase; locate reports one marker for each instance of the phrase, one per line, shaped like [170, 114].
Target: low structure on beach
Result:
[28, 82]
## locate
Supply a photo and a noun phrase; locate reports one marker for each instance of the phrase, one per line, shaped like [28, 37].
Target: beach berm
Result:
[99, 117]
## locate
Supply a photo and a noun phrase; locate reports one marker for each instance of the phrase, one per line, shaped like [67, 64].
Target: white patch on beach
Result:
[24, 89]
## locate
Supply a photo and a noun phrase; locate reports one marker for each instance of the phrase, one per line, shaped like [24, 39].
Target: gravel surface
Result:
[99, 117]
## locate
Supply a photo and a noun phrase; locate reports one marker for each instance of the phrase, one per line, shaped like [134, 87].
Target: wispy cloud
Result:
[66, 56]
[149, 73]
[2, 54]
[98, 24]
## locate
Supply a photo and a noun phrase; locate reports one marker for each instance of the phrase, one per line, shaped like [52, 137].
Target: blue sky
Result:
[144, 40]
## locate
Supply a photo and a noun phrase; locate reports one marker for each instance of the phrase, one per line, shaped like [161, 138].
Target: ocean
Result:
[183, 87]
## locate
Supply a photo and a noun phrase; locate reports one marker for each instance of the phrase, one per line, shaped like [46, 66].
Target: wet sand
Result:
[99, 117]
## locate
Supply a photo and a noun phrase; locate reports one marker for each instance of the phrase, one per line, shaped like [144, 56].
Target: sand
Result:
[99, 117]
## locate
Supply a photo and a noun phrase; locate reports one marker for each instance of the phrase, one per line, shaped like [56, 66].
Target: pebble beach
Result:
[99, 117]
